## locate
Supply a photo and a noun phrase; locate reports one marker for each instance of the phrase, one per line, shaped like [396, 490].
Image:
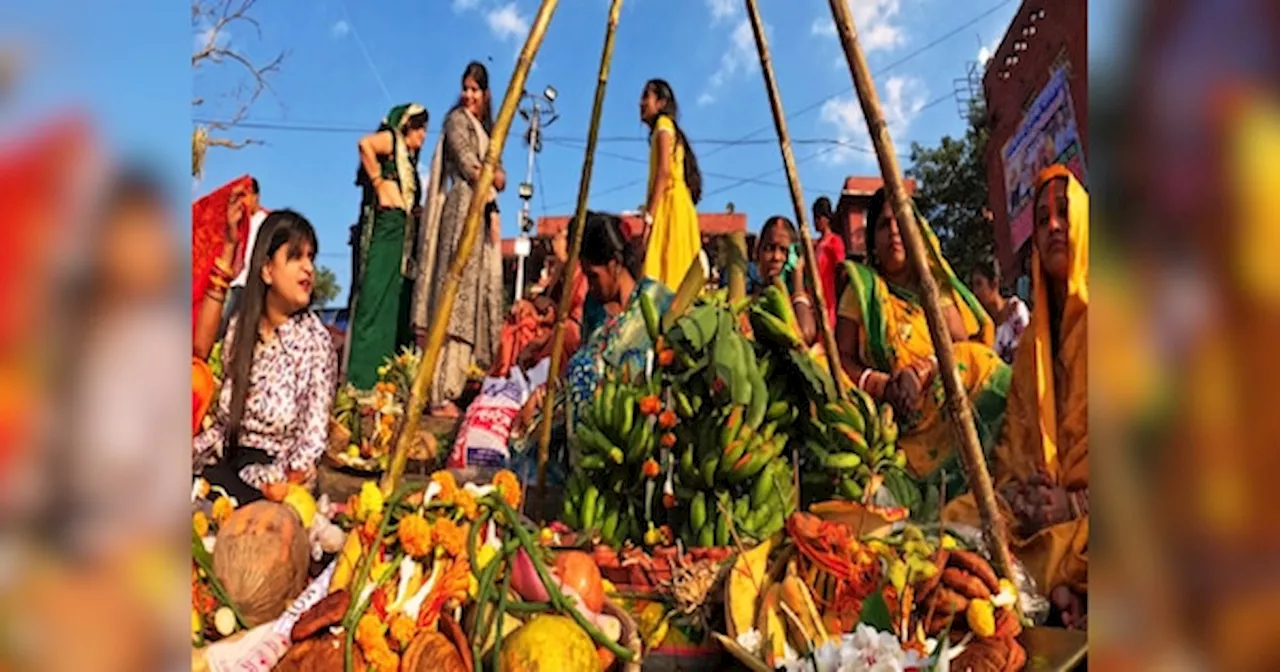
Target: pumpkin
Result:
[261, 556]
[578, 571]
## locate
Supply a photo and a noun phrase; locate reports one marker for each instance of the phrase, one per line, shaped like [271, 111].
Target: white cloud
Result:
[722, 9]
[739, 57]
[988, 50]
[340, 29]
[505, 22]
[206, 37]
[464, 5]
[876, 22]
[901, 100]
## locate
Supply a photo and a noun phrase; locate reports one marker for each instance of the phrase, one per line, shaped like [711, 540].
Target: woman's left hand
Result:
[499, 179]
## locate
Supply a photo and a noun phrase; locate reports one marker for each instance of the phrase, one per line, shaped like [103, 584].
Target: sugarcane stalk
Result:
[957, 402]
[695, 280]
[825, 331]
[575, 246]
[467, 240]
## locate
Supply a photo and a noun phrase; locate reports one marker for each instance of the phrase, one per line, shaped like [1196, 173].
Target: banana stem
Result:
[557, 598]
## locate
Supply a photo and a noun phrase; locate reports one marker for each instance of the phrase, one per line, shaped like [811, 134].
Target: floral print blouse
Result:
[622, 338]
[286, 413]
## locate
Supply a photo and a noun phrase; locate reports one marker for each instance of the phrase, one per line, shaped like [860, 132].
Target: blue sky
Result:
[348, 62]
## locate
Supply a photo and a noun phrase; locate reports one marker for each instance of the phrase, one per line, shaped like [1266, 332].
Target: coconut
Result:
[261, 557]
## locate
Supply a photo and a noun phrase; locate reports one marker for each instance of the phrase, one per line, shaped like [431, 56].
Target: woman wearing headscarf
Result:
[886, 349]
[381, 290]
[1041, 465]
[475, 323]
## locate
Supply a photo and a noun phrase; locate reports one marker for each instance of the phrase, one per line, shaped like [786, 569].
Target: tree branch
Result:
[213, 19]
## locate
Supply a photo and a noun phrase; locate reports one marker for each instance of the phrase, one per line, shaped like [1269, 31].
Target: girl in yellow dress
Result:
[671, 237]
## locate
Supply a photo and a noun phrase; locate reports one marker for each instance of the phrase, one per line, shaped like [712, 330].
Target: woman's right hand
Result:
[235, 212]
[389, 195]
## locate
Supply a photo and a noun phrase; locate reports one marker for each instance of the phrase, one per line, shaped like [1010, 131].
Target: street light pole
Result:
[538, 106]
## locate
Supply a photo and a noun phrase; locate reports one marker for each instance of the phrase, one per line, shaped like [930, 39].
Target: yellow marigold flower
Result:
[200, 523]
[448, 486]
[415, 535]
[509, 485]
[466, 502]
[222, 508]
[981, 618]
[403, 630]
[370, 501]
[448, 536]
[370, 632]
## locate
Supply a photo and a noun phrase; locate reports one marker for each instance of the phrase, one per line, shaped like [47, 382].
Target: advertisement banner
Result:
[1047, 135]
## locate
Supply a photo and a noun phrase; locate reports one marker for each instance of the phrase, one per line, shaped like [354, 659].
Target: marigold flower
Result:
[383, 660]
[650, 468]
[509, 485]
[650, 405]
[369, 502]
[466, 502]
[403, 630]
[370, 632]
[446, 535]
[448, 486]
[667, 419]
[200, 523]
[415, 535]
[222, 508]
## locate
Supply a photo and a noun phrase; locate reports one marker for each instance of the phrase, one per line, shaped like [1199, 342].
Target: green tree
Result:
[325, 287]
[951, 192]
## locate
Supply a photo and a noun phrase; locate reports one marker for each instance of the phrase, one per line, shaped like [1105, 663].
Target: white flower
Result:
[751, 640]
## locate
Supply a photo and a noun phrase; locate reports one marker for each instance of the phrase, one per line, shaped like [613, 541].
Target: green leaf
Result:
[875, 613]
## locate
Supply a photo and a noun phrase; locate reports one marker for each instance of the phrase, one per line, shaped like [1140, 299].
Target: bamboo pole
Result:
[957, 402]
[825, 330]
[470, 232]
[575, 247]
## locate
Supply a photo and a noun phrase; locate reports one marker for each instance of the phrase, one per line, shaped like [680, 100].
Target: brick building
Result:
[1043, 52]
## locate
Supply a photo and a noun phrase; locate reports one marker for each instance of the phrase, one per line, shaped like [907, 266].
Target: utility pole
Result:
[539, 110]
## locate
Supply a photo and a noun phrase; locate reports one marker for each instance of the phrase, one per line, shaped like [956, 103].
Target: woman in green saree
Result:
[886, 349]
[382, 288]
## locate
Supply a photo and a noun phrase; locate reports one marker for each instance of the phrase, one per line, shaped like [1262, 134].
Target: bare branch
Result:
[214, 20]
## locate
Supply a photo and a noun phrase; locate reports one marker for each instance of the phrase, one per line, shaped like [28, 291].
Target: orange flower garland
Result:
[446, 535]
[466, 502]
[448, 486]
[509, 485]
[415, 535]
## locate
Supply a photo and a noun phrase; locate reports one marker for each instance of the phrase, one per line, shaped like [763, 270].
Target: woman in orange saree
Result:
[1041, 464]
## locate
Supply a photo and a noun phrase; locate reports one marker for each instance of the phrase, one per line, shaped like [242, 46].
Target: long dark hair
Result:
[280, 228]
[667, 98]
[476, 72]
[604, 240]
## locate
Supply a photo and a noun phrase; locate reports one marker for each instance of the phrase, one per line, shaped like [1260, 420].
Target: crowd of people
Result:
[1022, 363]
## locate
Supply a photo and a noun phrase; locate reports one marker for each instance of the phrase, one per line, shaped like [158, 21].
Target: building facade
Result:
[1036, 92]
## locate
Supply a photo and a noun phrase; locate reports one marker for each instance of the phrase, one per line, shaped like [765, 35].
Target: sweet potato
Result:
[964, 583]
[978, 566]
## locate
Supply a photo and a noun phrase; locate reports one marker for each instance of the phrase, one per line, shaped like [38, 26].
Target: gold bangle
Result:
[222, 268]
[218, 297]
[219, 282]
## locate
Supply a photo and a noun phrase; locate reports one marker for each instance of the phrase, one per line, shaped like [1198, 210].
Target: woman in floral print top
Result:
[271, 420]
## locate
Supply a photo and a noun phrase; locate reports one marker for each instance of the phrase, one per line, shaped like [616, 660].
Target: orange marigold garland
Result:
[509, 485]
[466, 503]
[449, 537]
[448, 486]
[415, 535]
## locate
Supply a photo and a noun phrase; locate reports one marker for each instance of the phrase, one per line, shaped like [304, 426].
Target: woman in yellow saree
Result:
[886, 349]
[1041, 464]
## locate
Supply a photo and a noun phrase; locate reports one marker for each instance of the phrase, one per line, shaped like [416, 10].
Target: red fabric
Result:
[830, 255]
[208, 232]
[35, 172]
[525, 326]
